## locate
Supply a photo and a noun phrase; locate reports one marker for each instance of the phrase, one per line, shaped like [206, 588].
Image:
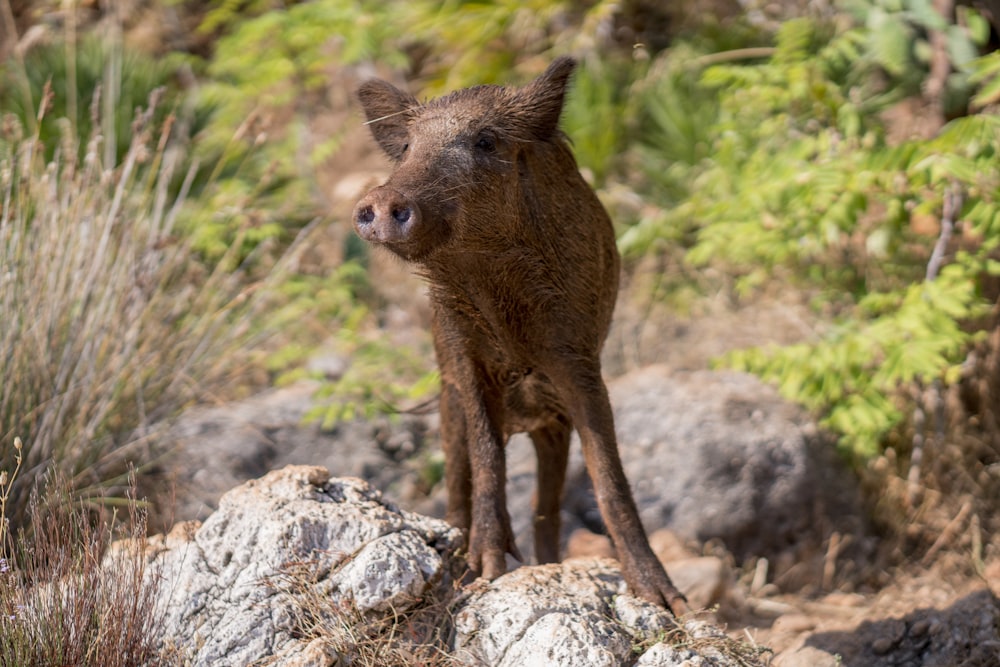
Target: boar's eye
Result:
[486, 143]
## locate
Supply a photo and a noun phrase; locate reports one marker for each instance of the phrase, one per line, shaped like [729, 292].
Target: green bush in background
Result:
[801, 185]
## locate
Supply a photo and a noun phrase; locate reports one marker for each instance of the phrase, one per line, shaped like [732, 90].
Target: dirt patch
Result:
[928, 618]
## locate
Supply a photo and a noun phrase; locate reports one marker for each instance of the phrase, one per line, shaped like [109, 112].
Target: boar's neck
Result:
[543, 261]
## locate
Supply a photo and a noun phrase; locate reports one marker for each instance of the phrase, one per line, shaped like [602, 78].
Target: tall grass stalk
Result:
[109, 325]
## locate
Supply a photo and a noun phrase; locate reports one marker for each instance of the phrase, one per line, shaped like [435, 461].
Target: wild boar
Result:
[487, 201]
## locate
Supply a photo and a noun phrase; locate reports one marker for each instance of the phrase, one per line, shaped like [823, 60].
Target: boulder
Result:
[233, 588]
[212, 449]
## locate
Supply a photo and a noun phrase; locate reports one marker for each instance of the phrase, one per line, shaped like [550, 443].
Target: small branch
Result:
[916, 454]
[759, 576]
[948, 534]
[952, 206]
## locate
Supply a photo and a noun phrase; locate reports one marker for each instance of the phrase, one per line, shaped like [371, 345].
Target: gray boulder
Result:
[212, 449]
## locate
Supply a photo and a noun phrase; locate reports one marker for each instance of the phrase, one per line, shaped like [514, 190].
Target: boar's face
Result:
[458, 162]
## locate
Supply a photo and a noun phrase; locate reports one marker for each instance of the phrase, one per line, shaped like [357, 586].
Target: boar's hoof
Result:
[493, 564]
[660, 591]
[488, 551]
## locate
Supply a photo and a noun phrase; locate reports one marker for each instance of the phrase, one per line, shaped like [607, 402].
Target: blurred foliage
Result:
[759, 155]
[79, 92]
[222, 15]
[483, 42]
[894, 35]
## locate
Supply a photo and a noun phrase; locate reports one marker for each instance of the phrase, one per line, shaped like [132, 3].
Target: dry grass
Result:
[692, 637]
[64, 600]
[109, 326]
[414, 637]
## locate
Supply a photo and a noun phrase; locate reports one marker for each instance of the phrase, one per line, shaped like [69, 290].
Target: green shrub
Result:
[800, 185]
[95, 81]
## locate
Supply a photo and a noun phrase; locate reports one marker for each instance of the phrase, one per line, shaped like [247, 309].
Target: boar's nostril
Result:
[366, 215]
[401, 215]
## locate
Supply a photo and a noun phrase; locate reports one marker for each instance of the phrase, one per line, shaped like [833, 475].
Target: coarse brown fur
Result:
[487, 201]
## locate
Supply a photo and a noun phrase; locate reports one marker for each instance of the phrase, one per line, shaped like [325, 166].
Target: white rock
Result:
[296, 550]
[391, 572]
[663, 655]
[562, 638]
[559, 614]
[225, 598]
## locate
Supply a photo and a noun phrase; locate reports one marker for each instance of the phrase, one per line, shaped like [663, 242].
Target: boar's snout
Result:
[386, 216]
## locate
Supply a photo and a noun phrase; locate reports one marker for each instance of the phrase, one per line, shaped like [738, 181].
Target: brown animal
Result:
[487, 201]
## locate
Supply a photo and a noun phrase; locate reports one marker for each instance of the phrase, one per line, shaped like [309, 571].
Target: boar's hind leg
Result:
[587, 398]
[457, 472]
[552, 450]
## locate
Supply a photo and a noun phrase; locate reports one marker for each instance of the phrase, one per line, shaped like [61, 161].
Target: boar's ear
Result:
[539, 104]
[388, 111]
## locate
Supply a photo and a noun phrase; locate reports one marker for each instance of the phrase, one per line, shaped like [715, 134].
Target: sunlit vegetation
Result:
[157, 204]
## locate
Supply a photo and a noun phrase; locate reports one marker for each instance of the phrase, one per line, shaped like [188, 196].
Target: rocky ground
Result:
[298, 568]
[753, 516]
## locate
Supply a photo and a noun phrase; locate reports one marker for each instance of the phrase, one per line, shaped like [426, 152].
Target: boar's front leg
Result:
[490, 536]
[472, 434]
[457, 471]
[586, 397]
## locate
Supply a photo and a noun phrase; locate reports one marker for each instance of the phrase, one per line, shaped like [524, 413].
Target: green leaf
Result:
[890, 45]
[925, 14]
[961, 48]
[978, 26]
[989, 93]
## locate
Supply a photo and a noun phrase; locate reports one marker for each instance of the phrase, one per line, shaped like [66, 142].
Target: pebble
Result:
[844, 599]
[668, 546]
[704, 580]
[882, 646]
[807, 656]
[793, 623]
[920, 628]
